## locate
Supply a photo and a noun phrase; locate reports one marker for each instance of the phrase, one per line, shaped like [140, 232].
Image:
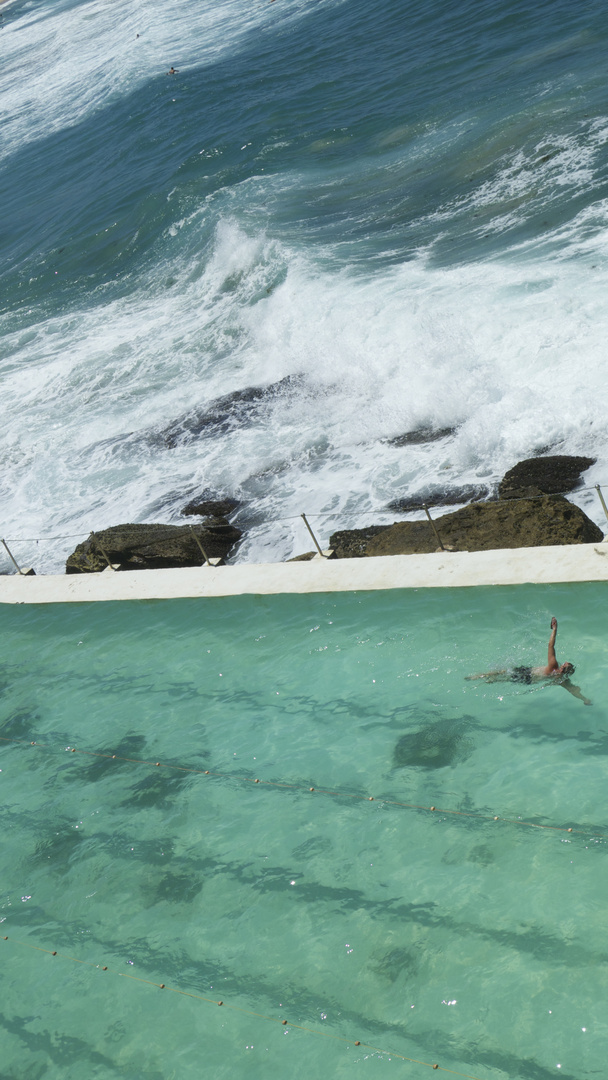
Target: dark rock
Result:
[506, 523]
[207, 507]
[422, 435]
[178, 888]
[306, 556]
[395, 964]
[543, 476]
[227, 413]
[352, 543]
[218, 417]
[148, 547]
[434, 746]
[158, 788]
[436, 496]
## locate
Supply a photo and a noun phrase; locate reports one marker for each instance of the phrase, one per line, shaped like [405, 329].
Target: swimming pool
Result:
[443, 936]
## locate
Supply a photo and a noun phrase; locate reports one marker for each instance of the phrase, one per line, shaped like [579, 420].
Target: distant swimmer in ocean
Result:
[173, 71]
[552, 672]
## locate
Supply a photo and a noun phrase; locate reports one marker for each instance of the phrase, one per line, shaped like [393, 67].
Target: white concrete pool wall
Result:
[510, 566]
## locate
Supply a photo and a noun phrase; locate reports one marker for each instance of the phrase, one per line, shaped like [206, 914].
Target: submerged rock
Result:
[438, 496]
[227, 413]
[434, 746]
[506, 523]
[422, 435]
[543, 476]
[152, 547]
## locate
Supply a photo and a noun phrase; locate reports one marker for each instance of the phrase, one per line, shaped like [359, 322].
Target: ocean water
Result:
[398, 213]
[442, 936]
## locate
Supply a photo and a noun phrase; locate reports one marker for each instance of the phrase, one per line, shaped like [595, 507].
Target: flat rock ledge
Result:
[507, 523]
[152, 547]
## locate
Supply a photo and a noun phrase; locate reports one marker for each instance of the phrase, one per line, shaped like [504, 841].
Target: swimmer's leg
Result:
[491, 676]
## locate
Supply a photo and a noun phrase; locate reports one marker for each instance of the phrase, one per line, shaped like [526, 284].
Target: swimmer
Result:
[551, 671]
[172, 71]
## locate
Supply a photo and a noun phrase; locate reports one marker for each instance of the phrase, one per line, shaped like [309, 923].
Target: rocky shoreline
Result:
[153, 547]
[536, 522]
[528, 509]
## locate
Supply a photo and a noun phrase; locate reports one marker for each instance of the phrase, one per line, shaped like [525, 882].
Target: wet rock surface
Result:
[529, 512]
[436, 496]
[538, 522]
[227, 413]
[220, 416]
[353, 543]
[422, 435]
[551, 475]
[209, 507]
[152, 547]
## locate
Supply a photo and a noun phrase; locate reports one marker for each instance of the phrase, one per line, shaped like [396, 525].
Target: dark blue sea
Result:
[383, 217]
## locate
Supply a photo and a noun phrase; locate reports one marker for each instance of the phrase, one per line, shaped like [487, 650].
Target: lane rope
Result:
[312, 790]
[240, 1009]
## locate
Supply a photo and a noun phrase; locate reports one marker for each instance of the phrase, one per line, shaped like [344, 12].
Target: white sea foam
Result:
[511, 353]
[526, 181]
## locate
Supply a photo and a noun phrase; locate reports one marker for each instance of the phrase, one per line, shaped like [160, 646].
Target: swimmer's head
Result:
[567, 669]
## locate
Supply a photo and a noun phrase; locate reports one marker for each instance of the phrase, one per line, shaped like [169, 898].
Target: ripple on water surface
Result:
[457, 935]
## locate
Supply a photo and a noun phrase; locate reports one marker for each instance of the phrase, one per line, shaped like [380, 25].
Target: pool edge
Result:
[506, 566]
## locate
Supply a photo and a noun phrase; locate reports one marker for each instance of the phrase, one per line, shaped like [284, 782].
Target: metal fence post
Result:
[28, 572]
[433, 527]
[315, 541]
[601, 498]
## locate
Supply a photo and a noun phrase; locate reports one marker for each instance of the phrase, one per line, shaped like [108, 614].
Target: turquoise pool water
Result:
[447, 938]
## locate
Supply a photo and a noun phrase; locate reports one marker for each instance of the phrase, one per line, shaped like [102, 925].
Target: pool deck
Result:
[509, 566]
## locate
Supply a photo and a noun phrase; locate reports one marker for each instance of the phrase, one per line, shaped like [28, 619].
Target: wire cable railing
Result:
[333, 513]
[423, 508]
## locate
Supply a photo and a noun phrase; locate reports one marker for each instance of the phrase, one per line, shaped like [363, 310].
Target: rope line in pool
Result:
[294, 517]
[313, 790]
[240, 1009]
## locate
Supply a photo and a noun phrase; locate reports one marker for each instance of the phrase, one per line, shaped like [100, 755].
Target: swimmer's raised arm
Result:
[552, 671]
[551, 659]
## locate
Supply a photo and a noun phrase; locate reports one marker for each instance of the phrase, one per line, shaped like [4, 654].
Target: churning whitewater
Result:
[386, 219]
